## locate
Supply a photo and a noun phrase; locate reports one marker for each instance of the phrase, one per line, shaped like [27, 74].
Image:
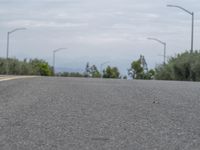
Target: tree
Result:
[91, 71]
[94, 72]
[137, 71]
[40, 67]
[150, 74]
[111, 72]
[87, 70]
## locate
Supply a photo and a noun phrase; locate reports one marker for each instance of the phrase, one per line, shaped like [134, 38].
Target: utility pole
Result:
[164, 44]
[54, 57]
[192, 31]
[7, 48]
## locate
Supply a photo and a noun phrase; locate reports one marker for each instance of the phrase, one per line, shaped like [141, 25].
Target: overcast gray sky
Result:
[97, 30]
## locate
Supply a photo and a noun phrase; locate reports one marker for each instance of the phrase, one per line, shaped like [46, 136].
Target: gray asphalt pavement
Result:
[93, 114]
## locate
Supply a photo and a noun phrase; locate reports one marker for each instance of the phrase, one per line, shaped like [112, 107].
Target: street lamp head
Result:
[17, 29]
[157, 40]
[171, 5]
[176, 6]
[59, 49]
[150, 38]
[21, 28]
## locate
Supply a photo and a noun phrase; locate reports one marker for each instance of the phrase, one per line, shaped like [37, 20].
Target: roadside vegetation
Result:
[93, 72]
[182, 67]
[25, 67]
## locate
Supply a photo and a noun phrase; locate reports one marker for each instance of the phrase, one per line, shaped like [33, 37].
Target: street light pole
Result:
[7, 49]
[54, 57]
[192, 32]
[165, 47]
[192, 35]
[8, 41]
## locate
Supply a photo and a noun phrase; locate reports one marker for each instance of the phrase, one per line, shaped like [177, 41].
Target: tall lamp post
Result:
[54, 57]
[7, 49]
[164, 44]
[192, 14]
[101, 67]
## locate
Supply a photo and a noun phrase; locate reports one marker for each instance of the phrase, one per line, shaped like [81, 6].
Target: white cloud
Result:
[35, 23]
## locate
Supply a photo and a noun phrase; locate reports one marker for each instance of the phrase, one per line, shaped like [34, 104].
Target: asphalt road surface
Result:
[93, 114]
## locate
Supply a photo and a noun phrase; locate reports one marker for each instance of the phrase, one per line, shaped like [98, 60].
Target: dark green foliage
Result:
[32, 67]
[183, 67]
[111, 72]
